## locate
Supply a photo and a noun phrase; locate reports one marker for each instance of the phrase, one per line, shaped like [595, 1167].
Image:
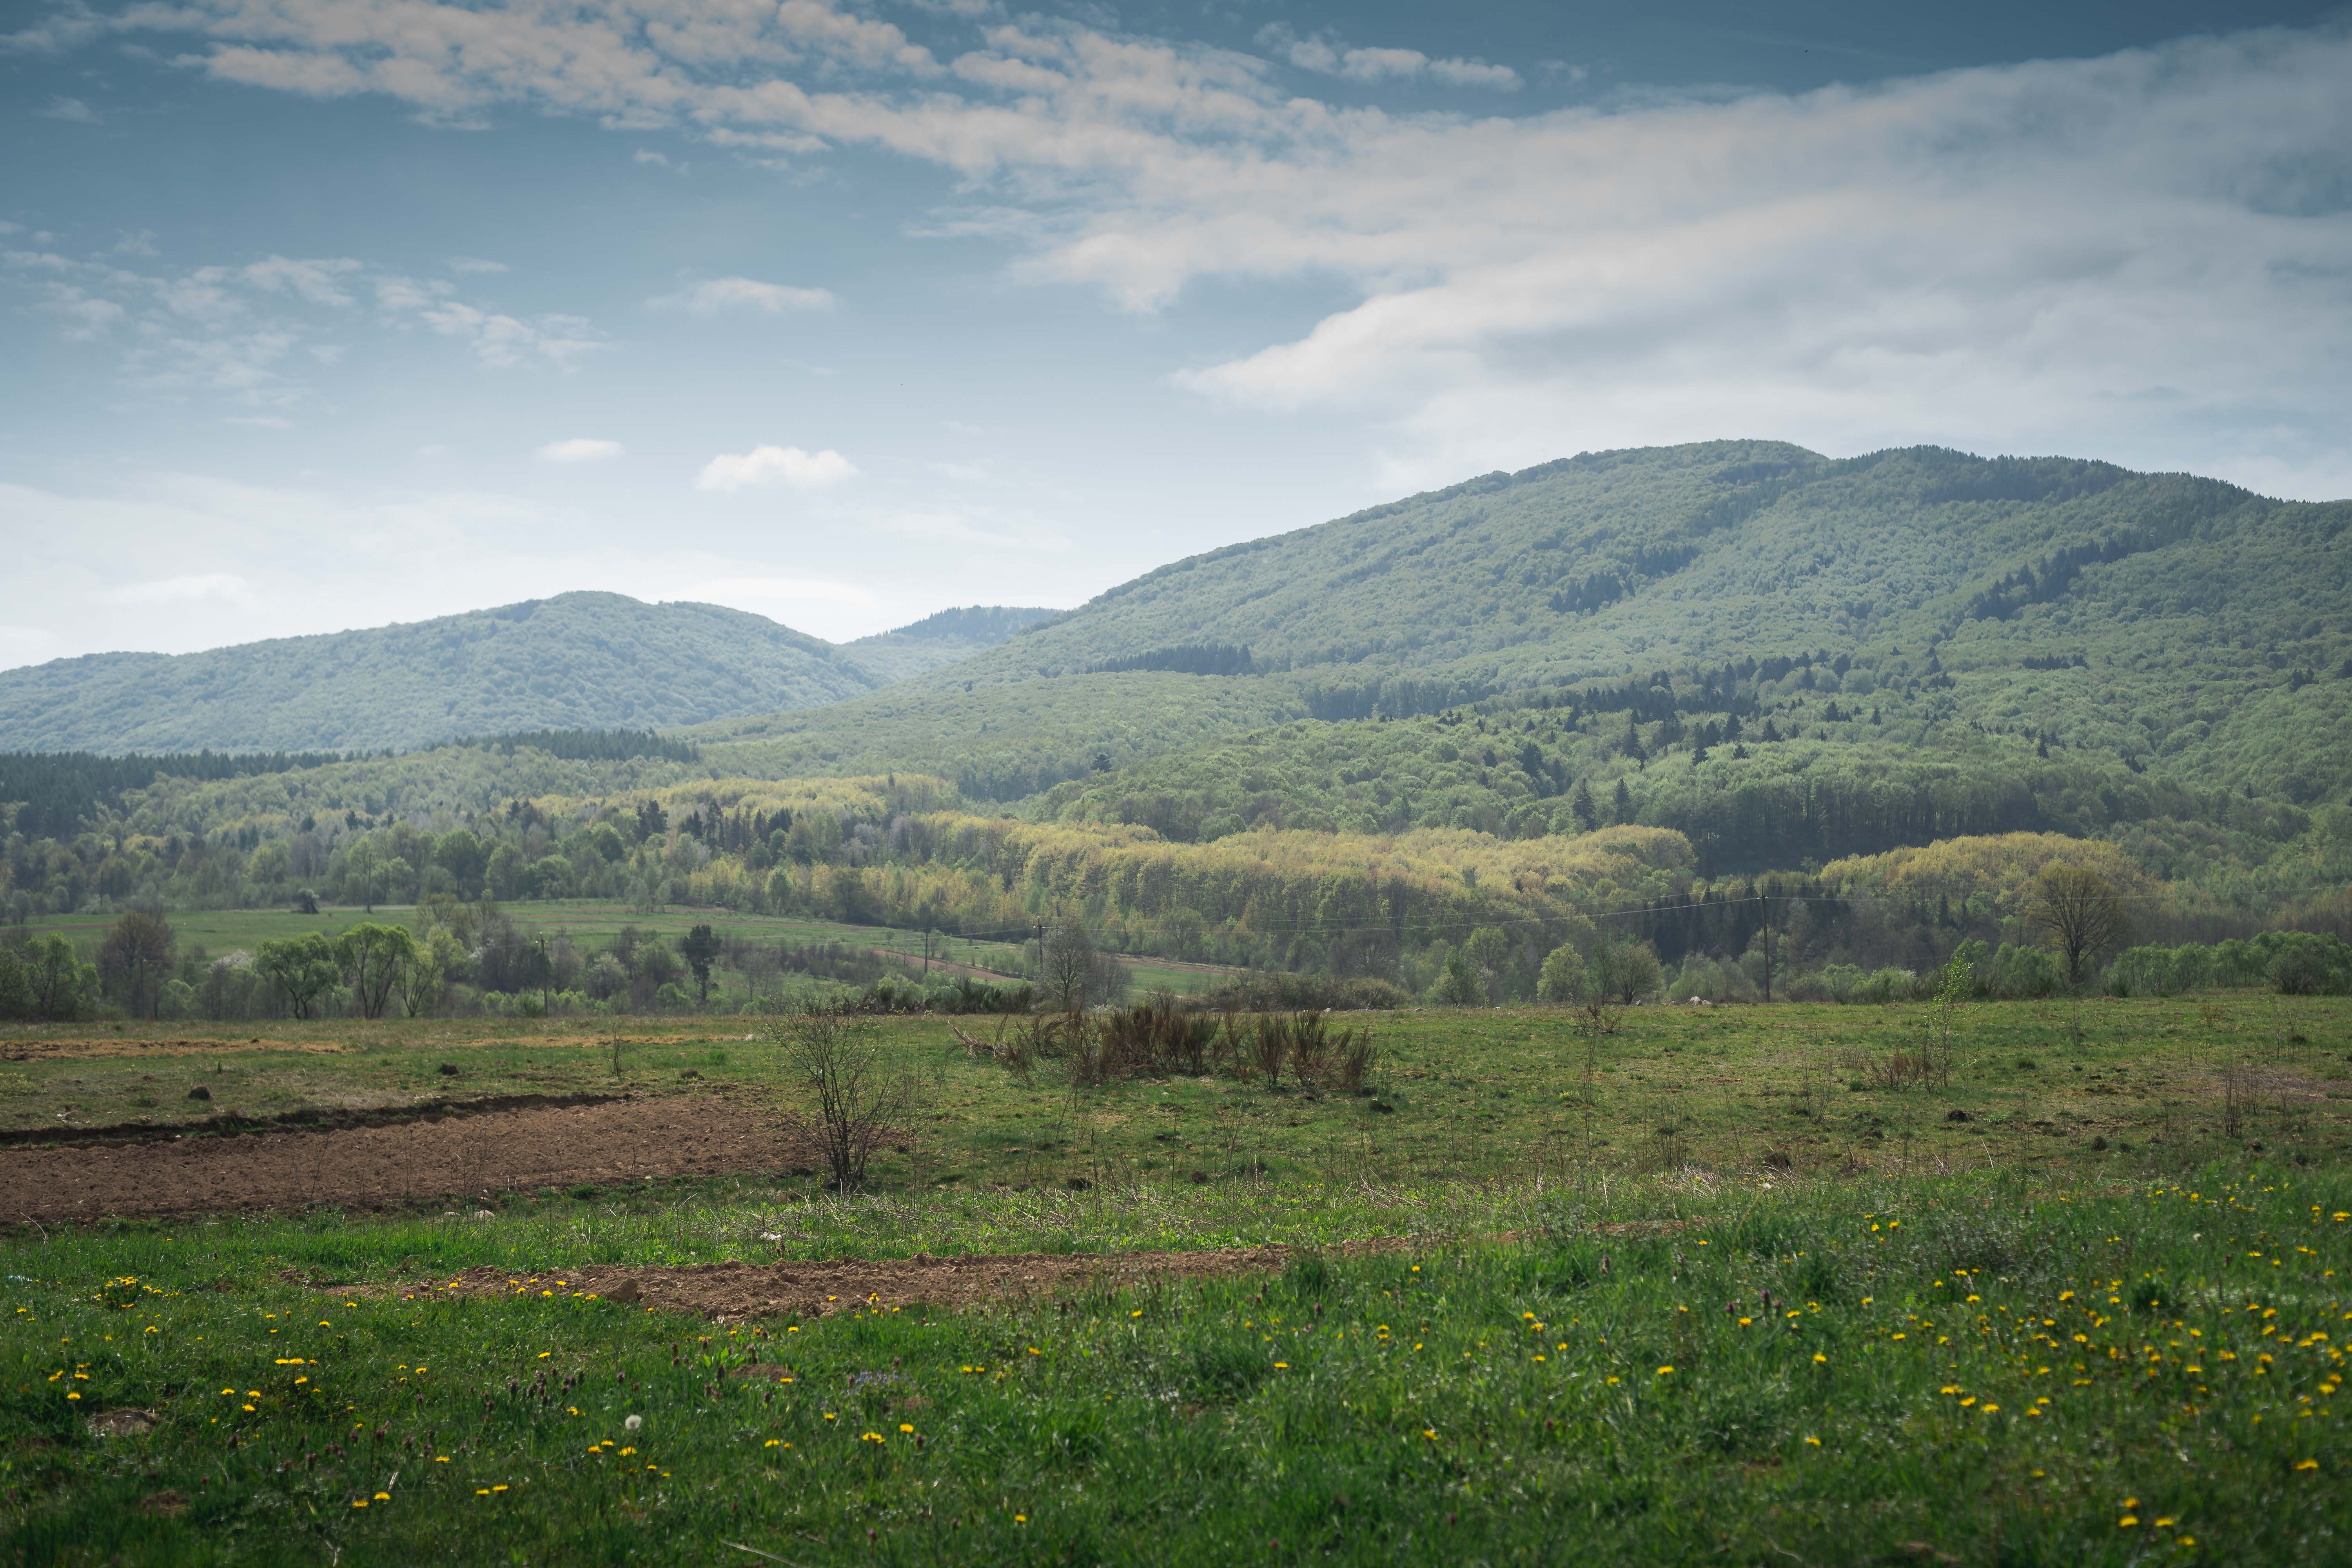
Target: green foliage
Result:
[302, 969]
[1563, 981]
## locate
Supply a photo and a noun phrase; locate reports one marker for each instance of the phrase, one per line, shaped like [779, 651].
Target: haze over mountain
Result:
[573, 661]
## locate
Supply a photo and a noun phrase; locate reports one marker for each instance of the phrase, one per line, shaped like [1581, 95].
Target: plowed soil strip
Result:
[734, 1292]
[411, 1162]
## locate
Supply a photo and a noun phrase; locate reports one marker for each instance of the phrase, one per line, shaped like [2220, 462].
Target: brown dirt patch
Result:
[736, 1292]
[102, 1045]
[162, 1504]
[408, 1162]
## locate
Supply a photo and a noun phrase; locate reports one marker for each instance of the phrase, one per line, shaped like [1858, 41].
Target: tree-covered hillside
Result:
[942, 638]
[574, 661]
[2165, 626]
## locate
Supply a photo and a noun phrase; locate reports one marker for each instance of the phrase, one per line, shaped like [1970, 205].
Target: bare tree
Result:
[1066, 965]
[859, 1098]
[2080, 912]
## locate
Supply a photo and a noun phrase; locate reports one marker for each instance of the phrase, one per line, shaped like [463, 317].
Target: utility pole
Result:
[1764, 914]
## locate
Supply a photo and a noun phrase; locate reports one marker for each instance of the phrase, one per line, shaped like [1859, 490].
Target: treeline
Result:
[54, 795]
[1190, 658]
[451, 958]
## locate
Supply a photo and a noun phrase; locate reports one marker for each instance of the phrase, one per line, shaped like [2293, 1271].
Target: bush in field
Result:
[2306, 963]
[2024, 972]
[1626, 972]
[857, 1098]
[1562, 979]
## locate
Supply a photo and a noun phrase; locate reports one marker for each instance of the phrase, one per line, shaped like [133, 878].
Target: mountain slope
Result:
[577, 660]
[942, 638]
[2158, 620]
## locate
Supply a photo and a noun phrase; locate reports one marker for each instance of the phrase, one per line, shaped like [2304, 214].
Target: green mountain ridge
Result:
[2147, 620]
[577, 660]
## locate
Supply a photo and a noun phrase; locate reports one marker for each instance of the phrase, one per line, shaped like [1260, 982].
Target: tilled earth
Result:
[733, 1292]
[410, 1161]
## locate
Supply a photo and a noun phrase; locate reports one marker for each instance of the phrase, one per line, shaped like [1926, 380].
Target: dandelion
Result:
[1020, 1518]
[1665, 1372]
[633, 1423]
[2307, 1464]
[2128, 1522]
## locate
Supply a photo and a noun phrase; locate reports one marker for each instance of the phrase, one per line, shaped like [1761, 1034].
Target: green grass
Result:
[1622, 1200]
[1471, 1094]
[1467, 1399]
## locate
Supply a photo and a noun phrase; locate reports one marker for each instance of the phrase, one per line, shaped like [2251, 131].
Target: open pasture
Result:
[1504, 1094]
[1719, 1285]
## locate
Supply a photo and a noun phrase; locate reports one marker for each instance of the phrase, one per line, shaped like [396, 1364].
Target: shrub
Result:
[1562, 978]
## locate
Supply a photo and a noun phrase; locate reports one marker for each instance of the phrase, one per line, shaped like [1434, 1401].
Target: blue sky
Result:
[321, 313]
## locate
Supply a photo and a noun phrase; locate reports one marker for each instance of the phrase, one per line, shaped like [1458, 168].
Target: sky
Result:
[330, 313]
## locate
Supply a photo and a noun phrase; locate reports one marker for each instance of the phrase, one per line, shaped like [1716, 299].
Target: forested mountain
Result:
[2155, 624]
[573, 661]
[942, 638]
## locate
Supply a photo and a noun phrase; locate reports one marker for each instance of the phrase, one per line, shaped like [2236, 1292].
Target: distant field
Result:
[596, 921]
[1462, 1093]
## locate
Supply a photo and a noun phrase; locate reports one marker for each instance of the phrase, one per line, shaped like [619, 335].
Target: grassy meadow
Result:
[1702, 1288]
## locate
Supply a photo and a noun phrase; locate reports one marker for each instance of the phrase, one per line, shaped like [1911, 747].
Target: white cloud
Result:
[724, 293]
[2141, 255]
[763, 465]
[647, 155]
[579, 449]
[72, 109]
[735, 589]
[259, 421]
[475, 264]
[234, 329]
[225, 586]
[1321, 53]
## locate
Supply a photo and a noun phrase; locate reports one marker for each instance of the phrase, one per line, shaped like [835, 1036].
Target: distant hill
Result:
[947, 637]
[576, 661]
[2161, 621]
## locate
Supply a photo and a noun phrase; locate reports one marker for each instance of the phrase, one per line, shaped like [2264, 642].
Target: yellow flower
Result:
[1816, 1442]
[903, 1426]
[2307, 1464]
[1666, 1371]
[2127, 1520]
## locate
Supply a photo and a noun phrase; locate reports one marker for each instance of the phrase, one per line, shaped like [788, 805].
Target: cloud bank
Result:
[2147, 254]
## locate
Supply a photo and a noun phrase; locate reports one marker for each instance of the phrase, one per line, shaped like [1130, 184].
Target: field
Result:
[593, 922]
[1708, 1286]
